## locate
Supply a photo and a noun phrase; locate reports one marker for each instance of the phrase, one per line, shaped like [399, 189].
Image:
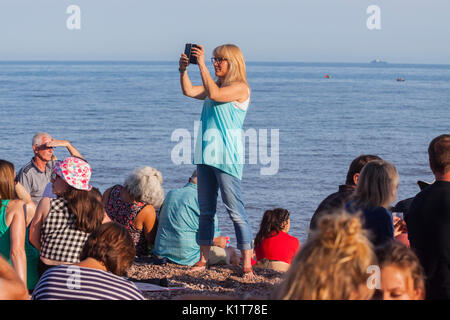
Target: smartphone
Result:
[187, 51]
[398, 215]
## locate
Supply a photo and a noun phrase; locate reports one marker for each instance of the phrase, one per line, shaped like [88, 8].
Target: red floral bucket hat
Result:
[75, 171]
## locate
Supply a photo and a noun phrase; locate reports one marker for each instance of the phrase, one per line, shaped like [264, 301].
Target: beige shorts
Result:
[218, 255]
[279, 266]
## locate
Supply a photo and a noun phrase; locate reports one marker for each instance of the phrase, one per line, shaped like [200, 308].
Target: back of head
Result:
[357, 165]
[145, 184]
[236, 63]
[87, 208]
[7, 175]
[272, 222]
[376, 184]
[333, 263]
[395, 254]
[112, 245]
[439, 154]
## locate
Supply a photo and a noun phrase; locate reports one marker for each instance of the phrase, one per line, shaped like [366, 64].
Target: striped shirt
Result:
[71, 282]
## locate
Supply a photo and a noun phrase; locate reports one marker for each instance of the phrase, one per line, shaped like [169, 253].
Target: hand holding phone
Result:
[188, 52]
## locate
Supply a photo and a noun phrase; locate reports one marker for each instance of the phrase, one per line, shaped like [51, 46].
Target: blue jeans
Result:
[209, 181]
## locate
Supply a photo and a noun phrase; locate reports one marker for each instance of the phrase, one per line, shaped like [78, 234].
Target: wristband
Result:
[181, 70]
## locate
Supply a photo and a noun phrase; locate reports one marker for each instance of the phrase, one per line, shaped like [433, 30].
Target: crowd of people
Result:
[61, 238]
[75, 230]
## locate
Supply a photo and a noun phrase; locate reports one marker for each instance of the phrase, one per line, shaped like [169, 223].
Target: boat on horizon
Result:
[378, 61]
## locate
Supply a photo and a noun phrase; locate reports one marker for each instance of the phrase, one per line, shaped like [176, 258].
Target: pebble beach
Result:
[216, 282]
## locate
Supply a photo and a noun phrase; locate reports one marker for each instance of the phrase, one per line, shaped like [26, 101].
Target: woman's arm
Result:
[146, 219]
[233, 92]
[35, 228]
[29, 206]
[197, 92]
[11, 286]
[17, 235]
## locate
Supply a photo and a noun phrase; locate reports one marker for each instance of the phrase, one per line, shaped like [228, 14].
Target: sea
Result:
[306, 122]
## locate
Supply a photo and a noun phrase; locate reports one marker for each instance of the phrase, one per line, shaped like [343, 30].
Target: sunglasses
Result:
[218, 60]
[43, 147]
[53, 177]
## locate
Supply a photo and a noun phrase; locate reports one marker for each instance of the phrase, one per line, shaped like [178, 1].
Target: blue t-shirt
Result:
[378, 221]
[178, 225]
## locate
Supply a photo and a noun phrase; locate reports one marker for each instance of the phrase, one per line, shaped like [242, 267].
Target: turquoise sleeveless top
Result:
[219, 137]
[5, 247]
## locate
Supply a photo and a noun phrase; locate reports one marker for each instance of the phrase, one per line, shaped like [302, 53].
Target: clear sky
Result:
[412, 31]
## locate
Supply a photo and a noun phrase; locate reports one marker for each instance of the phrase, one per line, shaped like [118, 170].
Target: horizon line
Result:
[384, 63]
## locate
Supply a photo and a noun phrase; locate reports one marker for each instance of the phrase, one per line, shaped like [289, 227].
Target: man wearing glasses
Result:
[35, 175]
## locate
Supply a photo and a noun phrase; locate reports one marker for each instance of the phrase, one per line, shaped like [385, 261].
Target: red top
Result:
[281, 247]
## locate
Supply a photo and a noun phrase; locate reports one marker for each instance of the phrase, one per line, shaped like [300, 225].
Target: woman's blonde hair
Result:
[333, 263]
[375, 184]
[145, 184]
[236, 64]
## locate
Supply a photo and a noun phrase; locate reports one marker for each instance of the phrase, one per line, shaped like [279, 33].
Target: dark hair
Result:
[112, 245]
[357, 165]
[86, 207]
[397, 254]
[272, 222]
[97, 193]
[439, 154]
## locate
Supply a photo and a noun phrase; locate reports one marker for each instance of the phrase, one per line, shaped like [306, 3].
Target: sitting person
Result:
[376, 190]
[402, 276]
[62, 225]
[12, 286]
[107, 254]
[35, 175]
[273, 243]
[333, 263]
[133, 206]
[177, 236]
[14, 213]
[338, 199]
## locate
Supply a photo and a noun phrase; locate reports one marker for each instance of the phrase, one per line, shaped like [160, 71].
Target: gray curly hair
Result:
[145, 184]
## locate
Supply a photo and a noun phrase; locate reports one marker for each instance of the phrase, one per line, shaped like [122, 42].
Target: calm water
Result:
[122, 115]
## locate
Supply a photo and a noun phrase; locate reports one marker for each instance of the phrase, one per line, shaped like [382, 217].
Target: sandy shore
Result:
[218, 281]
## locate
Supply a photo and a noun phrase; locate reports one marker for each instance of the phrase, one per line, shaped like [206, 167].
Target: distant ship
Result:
[378, 61]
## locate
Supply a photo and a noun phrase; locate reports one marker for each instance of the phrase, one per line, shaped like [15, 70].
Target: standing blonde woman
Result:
[218, 152]
[333, 264]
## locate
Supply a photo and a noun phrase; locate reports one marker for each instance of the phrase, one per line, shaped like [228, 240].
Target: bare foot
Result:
[248, 274]
[199, 266]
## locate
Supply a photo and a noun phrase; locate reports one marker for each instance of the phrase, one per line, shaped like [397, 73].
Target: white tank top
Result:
[242, 105]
